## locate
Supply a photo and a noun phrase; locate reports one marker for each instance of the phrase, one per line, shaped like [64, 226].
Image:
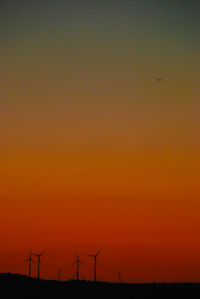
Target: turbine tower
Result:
[77, 262]
[95, 264]
[30, 261]
[119, 276]
[39, 256]
[59, 275]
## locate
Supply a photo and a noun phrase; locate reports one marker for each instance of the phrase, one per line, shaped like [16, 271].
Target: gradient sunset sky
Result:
[94, 151]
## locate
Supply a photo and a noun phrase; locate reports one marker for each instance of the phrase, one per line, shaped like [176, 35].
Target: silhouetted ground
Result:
[20, 286]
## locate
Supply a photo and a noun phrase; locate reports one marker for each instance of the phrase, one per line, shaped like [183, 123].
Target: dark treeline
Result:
[18, 286]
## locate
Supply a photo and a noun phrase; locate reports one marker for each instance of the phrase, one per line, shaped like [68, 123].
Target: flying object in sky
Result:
[159, 79]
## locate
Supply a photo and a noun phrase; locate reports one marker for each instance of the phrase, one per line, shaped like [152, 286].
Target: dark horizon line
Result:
[24, 276]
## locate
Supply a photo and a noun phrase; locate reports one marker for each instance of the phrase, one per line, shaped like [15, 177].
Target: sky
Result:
[94, 151]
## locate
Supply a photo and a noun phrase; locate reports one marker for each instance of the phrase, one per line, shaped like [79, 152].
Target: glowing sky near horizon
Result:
[95, 152]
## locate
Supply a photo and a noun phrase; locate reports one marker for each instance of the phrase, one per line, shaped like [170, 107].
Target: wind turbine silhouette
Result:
[59, 275]
[39, 256]
[95, 263]
[30, 262]
[119, 276]
[77, 262]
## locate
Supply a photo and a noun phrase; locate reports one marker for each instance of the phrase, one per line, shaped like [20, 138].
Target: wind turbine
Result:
[59, 275]
[77, 262]
[39, 256]
[30, 260]
[119, 276]
[95, 263]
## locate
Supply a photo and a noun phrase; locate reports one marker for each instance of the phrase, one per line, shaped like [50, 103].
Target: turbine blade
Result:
[35, 254]
[42, 252]
[98, 252]
[25, 261]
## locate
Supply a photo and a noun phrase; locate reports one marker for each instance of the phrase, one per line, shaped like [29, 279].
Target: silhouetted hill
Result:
[20, 286]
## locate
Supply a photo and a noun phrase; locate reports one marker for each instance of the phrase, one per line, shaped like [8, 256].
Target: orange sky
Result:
[95, 153]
